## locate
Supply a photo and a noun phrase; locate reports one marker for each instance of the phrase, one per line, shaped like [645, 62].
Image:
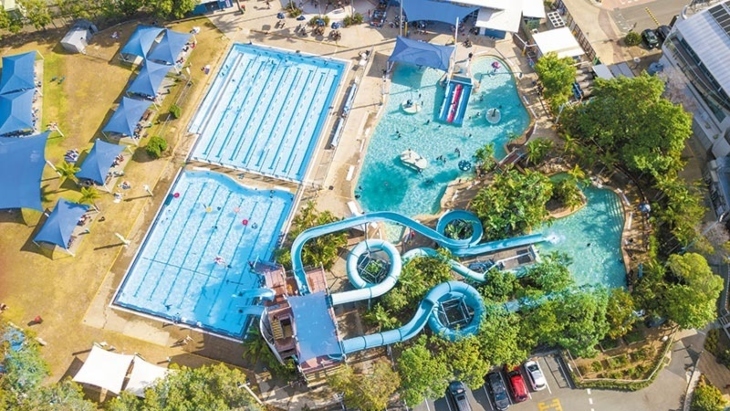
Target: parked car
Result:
[662, 32]
[498, 391]
[535, 375]
[516, 384]
[650, 38]
[456, 394]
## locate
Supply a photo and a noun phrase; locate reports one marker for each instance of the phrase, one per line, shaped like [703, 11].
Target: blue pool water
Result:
[599, 224]
[175, 275]
[386, 185]
[265, 110]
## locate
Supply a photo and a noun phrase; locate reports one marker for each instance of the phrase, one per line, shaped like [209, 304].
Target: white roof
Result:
[560, 41]
[490, 4]
[603, 71]
[533, 8]
[711, 44]
[104, 369]
[144, 375]
[504, 20]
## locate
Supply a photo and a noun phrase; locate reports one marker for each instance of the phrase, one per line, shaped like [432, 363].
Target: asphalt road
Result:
[637, 16]
[664, 394]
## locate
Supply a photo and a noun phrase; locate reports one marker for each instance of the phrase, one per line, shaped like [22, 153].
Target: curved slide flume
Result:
[426, 314]
[366, 290]
[460, 269]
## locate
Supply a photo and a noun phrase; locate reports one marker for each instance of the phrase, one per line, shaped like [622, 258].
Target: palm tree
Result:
[89, 195]
[68, 171]
[485, 157]
[578, 174]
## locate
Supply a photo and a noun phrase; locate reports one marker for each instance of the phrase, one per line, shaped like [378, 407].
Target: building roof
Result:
[436, 11]
[533, 8]
[560, 41]
[490, 4]
[315, 329]
[709, 42]
[503, 20]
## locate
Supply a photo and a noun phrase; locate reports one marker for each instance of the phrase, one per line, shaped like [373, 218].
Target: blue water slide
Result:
[262, 293]
[444, 112]
[466, 216]
[426, 313]
[366, 290]
[459, 268]
[461, 108]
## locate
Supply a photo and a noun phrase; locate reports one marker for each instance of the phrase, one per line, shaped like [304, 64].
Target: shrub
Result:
[293, 10]
[313, 21]
[156, 146]
[175, 111]
[713, 337]
[596, 366]
[632, 38]
[583, 369]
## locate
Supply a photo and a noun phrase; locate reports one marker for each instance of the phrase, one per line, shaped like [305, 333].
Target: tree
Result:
[465, 359]
[632, 38]
[418, 276]
[37, 12]
[256, 350]
[582, 317]
[567, 193]
[500, 285]
[366, 392]
[156, 146]
[620, 313]
[78, 9]
[538, 150]
[423, 375]
[67, 170]
[484, 157]
[512, 204]
[691, 301]
[707, 397]
[549, 275]
[557, 75]
[629, 117]
[11, 22]
[320, 250]
[501, 338]
[211, 387]
[89, 195]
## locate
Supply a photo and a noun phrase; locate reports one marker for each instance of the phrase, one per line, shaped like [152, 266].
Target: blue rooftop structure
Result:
[421, 53]
[169, 47]
[61, 223]
[141, 40]
[127, 116]
[436, 11]
[316, 333]
[18, 72]
[21, 169]
[100, 159]
[16, 111]
[149, 78]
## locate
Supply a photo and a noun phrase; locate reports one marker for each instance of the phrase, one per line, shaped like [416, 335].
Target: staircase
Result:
[276, 330]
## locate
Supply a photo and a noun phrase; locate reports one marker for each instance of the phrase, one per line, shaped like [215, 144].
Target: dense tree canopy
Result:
[620, 313]
[557, 76]
[320, 250]
[629, 116]
[512, 204]
[366, 392]
[691, 302]
[582, 316]
[423, 375]
[501, 338]
[707, 397]
[419, 275]
[550, 275]
[464, 359]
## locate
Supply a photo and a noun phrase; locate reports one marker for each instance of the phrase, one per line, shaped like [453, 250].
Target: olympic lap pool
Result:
[193, 267]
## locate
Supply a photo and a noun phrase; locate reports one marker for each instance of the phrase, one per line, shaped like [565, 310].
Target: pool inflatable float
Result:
[493, 116]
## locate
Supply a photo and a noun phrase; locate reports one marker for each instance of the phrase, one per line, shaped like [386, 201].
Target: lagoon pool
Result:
[386, 185]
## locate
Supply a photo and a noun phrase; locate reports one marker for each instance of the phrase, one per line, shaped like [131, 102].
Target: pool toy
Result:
[176, 195]
[493, 116]
[464, 165]
[245, 221]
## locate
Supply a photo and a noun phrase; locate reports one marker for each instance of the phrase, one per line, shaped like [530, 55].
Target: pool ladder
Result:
[276, 329]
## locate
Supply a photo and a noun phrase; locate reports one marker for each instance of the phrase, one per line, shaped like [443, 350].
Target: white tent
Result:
[560, 41]
[144, 375]
[104, 369]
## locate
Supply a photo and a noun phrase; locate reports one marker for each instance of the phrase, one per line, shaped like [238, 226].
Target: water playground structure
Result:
[299, 323]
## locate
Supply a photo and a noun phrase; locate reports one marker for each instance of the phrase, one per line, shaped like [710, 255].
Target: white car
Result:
[534, 374]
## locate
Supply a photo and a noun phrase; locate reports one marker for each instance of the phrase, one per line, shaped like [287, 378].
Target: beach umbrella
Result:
[280, 16]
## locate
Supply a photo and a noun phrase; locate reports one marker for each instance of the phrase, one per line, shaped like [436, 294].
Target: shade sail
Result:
[127, 116]
[144, 375]
[18, 72]
[21, 169]
[421, 53]
[316, 335]
[104, 369]
[141, 40]
[16, 111]
[100, 159]
[149, 78]
[61, 223]
[435, 11]
[169, 47]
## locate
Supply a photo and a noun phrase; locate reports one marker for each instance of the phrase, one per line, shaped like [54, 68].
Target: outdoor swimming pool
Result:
[193, 267]
[600, 224]
[265, 110]
[386, 185]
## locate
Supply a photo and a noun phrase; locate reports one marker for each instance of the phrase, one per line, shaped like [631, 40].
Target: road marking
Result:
[553, 405]
[589, 391]
[590, 401]
[488, 397]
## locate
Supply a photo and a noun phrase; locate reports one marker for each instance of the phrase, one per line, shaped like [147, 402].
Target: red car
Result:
[516, 384]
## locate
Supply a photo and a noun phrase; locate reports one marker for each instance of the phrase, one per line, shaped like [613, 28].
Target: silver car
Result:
[534, 374]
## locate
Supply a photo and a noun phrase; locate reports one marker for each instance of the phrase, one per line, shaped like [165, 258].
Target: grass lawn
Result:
[56, 286]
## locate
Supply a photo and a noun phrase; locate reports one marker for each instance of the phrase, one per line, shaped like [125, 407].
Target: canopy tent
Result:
[421, 53]
[560, 41]
[128, 114]
[149, 78]
[100, 159]
[16, 111]
[18, 72]
[435, 11]
[141, 40]
[61, 223]
[144, 375]
[316, 333]
[77, 39]
[169, 47]
[21, 169]
[104, 369]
